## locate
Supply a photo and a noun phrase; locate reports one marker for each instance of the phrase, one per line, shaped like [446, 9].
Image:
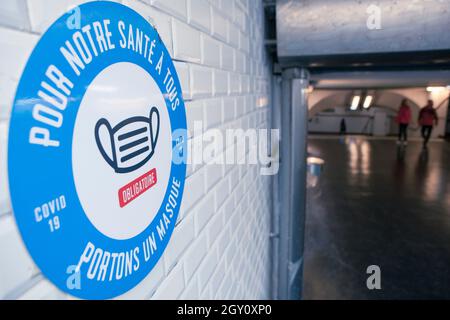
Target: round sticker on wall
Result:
[96, 150]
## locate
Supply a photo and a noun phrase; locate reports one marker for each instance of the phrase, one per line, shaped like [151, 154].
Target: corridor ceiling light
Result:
[367, 102]
[355, 102]
[435, 89]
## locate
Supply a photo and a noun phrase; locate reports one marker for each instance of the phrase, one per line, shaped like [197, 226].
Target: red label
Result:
[137, 187]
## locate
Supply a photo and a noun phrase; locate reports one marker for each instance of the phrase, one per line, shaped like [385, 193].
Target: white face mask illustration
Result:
[131, 143]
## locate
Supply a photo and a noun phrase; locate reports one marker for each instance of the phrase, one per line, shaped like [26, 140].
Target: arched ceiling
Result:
[320, 100]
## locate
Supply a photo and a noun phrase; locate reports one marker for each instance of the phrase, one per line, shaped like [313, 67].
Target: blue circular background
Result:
[38, 174]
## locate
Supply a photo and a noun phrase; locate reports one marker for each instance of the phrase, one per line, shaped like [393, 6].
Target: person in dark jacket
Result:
[427, 118]
[343, 127]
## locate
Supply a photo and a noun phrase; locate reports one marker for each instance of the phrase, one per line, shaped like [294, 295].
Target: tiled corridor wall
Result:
[220, 245]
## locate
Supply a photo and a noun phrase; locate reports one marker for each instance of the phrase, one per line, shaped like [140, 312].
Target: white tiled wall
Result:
[219, 248]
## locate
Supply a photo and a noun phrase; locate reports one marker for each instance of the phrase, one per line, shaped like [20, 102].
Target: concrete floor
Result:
[380, 205]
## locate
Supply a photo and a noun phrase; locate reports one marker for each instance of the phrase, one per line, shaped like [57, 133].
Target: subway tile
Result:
[186, 42]
[4, 194]
[219, 26]
[183, 75]
[227, 8]
[148, 285]
[204, 212]
[194, 186]
[233, 36]
[241, 102]
[14, 14]
[224, 288]
[16, 267]
[200, 14]
[182, 237]
[222, 192]
[210, 51]
[172, 286]
[195, 111]
[43, 14]
[207, 268]
[244, 43]
[214, 173]
[43, 290]
[7, 91]
[161, 21]
[194, 255]
[191, 292]
[16, 48]
[213, 113]
[217, 276]
[240, 62]
[177, 8]
[201, 81]
[229, 108]
[220, 83]
[214, 227]
[227, 57]
[235, 83]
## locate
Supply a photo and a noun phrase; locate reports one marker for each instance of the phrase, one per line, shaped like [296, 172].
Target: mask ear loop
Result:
[154, 137]
[100, 123]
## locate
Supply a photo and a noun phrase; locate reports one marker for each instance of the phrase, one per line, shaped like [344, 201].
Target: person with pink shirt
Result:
[403, 120]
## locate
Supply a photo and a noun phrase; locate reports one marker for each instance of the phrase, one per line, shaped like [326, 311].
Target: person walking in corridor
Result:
[343, 127]
[427, 118]
[342, 130]
[403, 119]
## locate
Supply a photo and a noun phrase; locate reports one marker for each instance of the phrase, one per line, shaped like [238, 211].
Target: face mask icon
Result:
[130, 144]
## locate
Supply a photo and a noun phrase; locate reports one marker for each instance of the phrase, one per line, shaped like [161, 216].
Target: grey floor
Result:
[376, 204]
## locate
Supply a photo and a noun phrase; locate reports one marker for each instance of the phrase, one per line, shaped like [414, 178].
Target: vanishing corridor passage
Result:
[376, 204]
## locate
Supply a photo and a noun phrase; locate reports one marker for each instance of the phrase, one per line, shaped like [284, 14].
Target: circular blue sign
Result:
[96, 150]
